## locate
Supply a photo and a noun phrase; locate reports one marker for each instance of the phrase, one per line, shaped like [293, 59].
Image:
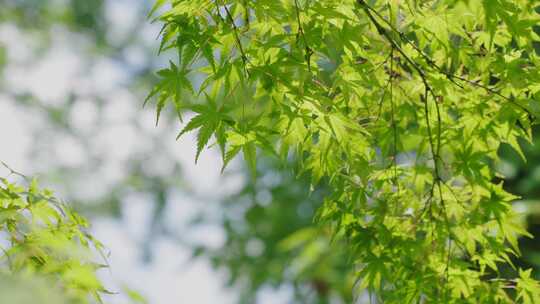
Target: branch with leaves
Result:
[413, 191]
[49, 242]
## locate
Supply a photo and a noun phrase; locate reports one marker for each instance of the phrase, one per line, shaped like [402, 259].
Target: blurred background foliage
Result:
[270, 240]
[522, 177]
[79, 15]
[15, 289]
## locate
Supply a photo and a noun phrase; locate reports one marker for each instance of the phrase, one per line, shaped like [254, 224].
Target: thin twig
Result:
[14, 172]
[394, 126]
[308, 50]
[245, 59]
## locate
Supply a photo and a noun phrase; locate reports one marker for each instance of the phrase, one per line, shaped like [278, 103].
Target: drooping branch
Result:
[435, 148]
[245, 59]
[428, 89]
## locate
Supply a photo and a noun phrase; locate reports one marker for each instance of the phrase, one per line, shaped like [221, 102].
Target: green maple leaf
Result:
[210, 120]
[173, 80]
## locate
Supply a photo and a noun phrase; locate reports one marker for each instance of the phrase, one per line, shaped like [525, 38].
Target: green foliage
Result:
[400, 106]
[47, 243]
